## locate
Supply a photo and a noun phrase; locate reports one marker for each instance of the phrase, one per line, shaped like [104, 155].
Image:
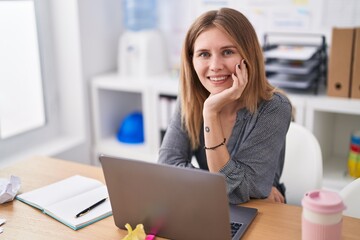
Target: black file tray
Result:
[295, 61]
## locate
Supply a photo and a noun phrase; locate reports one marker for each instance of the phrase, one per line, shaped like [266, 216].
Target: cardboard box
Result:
[355, 78]
[340, 62]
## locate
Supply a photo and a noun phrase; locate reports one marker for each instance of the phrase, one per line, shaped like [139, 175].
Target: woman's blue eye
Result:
[204, 54]
[228, 52]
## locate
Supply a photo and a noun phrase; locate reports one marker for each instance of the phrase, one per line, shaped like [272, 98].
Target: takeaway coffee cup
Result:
[322, 215]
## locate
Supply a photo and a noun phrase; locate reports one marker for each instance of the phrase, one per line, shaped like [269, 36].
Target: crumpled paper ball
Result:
[9, 188]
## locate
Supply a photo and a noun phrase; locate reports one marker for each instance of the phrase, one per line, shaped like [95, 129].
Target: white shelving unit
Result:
[332, 120]
[113, 98]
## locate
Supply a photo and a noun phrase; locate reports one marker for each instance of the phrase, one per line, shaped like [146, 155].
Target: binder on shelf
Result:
[355, 80]
[295, 61]
[340, 62]
[167, 105]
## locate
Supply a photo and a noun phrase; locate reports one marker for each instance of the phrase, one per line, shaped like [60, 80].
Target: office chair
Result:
[351, 196]
[303, 167]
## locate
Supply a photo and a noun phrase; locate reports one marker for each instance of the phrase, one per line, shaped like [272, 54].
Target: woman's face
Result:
[215, 59]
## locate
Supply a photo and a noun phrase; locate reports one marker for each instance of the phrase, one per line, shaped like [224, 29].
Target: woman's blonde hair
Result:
[238, 28]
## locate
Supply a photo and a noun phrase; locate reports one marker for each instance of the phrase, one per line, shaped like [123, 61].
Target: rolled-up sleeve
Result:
[251, 170]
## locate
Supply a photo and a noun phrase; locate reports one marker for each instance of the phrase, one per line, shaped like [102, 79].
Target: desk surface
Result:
[274, 221]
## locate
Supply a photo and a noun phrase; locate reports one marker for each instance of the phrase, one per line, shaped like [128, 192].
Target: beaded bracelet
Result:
[213, 148]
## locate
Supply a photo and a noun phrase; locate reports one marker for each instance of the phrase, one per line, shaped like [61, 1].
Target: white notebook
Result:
[63, 200]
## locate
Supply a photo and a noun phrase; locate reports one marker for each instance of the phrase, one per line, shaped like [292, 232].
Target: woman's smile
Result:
[219, 80]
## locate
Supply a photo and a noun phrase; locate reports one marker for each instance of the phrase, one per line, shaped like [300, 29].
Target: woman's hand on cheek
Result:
[240, 79]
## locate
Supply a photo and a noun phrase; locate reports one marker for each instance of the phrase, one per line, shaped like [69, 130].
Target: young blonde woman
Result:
[228, 115]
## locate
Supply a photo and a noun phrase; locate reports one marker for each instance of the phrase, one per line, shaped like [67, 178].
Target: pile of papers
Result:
[293, 66]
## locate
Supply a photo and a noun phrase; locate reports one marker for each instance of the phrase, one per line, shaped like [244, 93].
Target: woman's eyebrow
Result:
[229, 46]
[201, 50]
[223, 47]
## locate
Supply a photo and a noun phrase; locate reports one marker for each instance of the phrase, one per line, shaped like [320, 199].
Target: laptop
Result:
[173, 202]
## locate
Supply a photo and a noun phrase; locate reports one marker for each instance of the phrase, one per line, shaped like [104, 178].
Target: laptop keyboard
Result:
[235, 226]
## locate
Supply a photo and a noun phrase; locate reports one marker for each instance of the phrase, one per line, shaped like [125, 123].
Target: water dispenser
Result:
[142, 49]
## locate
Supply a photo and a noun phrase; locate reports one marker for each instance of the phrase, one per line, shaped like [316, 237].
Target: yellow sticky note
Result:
[137, 234]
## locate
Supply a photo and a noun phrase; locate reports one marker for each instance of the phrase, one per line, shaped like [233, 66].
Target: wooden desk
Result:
[274, 221]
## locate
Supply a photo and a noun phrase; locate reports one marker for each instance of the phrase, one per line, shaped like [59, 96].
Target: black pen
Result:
[85, 211]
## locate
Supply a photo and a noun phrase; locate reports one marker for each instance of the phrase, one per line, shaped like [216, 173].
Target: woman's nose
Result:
[216, 63]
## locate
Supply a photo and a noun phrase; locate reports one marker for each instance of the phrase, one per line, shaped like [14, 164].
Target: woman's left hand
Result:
[217, 101]
[275, 196]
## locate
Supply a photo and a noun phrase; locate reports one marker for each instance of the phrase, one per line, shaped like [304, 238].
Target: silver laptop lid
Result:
[171, 202]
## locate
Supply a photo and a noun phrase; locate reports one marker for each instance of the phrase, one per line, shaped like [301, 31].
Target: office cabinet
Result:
[332, 120]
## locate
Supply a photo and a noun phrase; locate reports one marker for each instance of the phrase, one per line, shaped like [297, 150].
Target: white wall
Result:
[99, 25]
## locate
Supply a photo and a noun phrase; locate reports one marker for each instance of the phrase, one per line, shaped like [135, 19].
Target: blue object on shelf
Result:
[132, 129]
